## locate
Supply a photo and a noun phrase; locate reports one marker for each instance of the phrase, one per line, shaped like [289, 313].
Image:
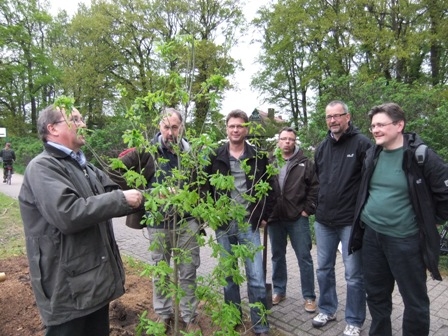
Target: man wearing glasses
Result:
[338, 162]
[399, 204]
[229, 161]
[297, 189]
[67, 205]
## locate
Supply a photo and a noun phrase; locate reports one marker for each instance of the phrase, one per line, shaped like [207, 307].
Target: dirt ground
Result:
[19, 315]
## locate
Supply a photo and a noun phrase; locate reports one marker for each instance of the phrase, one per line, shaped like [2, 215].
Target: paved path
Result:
[289, 316]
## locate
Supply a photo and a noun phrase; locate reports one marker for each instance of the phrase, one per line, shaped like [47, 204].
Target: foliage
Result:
[27, 70]
[181, 195]
[308, 45]
[107, 142]
[65, 103]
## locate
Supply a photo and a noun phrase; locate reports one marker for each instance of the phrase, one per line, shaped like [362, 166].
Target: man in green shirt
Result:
[395, 221]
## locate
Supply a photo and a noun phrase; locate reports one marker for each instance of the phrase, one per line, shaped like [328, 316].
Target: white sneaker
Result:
[321, 319]
[351, 330]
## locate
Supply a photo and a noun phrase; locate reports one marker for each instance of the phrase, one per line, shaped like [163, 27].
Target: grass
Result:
[12, 241]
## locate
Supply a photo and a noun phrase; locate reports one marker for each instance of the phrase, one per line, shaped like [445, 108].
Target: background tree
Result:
[26, 68]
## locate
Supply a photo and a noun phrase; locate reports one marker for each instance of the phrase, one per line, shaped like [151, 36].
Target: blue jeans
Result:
[393, 259]
[254, 272]
[300, 236]
[327, 239]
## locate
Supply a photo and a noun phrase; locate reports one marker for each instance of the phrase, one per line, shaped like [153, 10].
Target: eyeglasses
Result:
[286, 139]
[335, 116]
[380, 126]
[75, 120]
[238, 127]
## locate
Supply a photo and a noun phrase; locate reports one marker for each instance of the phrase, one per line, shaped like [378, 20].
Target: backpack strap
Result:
[420, 154]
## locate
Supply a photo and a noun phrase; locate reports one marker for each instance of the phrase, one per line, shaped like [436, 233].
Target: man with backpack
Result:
[400, 201]
[8, 156]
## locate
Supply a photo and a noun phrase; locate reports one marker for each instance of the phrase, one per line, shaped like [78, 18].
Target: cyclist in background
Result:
[8, 156]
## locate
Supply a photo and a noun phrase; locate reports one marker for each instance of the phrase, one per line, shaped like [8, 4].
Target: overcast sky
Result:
[243, 98]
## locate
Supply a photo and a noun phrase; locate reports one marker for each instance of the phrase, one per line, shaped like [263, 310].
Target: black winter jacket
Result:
[428, 191]
[258, 163]
[338, 166]
[299, 190]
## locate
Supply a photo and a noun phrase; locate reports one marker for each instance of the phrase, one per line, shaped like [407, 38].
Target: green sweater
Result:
[388, 209]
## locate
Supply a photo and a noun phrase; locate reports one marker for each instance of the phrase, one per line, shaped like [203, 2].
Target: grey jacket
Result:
[74, 261]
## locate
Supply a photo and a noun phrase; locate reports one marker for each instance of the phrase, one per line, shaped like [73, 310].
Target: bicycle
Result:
[8, 174]
[444, 240]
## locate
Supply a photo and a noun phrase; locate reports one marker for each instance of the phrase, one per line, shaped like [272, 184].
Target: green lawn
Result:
[12, 242]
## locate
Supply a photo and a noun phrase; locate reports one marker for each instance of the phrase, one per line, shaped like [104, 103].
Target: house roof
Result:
[264, 116]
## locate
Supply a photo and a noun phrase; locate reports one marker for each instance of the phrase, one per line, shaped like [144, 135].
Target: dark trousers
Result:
[5, 169]
[95, 324]
[386, 260]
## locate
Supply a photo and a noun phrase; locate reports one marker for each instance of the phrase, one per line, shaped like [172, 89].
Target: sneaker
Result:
[321, 319]
[277, 298]
[351, 330]
[310, 306]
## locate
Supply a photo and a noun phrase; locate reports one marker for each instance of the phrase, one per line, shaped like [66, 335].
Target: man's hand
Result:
[263, 223]
[134, 197]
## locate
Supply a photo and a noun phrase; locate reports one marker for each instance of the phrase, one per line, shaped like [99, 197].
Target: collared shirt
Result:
[78, 156]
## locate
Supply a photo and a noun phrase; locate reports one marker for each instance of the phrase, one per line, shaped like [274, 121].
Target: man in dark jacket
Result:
[296, 192]
[229, 161]
[166, 235]
[338, 162]
[395, 220]
[8, 156]
[67, 206]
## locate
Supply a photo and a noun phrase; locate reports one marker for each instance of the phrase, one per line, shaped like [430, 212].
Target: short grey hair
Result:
[47, 116]
[169, 111]
[339, 102]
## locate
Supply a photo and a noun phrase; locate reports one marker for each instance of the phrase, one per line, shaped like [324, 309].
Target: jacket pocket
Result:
[37, 274]
[90, 279]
